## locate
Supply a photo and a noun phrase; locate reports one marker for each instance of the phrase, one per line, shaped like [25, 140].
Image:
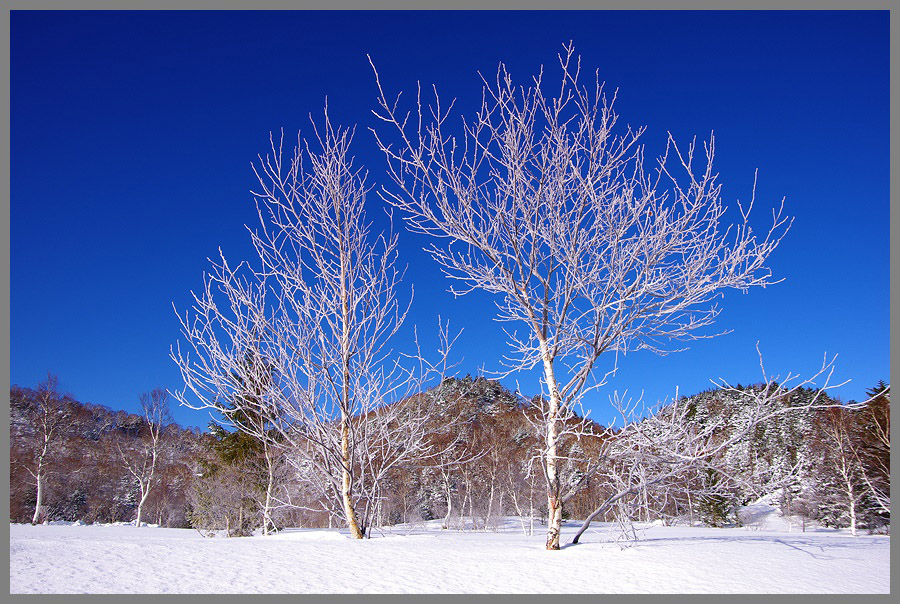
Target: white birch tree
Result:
[543, 201]
[50, 415]
[316, 311]
[845, 474]
[143, 464]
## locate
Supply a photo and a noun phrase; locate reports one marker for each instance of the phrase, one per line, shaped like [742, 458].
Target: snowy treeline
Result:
[830, 465]
[91, 463]
[829, 462]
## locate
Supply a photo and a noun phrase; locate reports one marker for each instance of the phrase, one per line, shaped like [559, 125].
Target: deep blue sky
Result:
[132, 135]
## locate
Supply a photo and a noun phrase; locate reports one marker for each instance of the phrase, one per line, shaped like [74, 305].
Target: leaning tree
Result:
[543, 201]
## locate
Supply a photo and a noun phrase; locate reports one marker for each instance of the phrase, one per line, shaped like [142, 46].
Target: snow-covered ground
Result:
[767, 556]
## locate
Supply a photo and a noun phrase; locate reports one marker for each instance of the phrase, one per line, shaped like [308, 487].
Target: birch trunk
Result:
[39, 476]
[554, 503]
[690, 509]
[346, 484]
[470, 499]
[40, 496]
[137, 520]
[531, 509]
[267, 506]
[490, 508]
[446, 522]
[346, 461]
[852, 497]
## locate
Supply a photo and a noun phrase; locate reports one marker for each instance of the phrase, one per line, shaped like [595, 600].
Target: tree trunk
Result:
[531, 509]
[554, 504]
[490, 507]
[446, 523]
[346, 479]
[379, 512]
[144, 493]
[40, 496]
[349, 512]
[39, 477]
[554, 522]
[602, 509]
[690, 509]
[646, 502]
[466, 499]
[471, 504]
[267, 514]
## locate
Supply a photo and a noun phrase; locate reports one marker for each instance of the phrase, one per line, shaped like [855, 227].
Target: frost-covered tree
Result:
[673, 446]
[314, 313]
[541, 199]
[50, 415]
[143, 462]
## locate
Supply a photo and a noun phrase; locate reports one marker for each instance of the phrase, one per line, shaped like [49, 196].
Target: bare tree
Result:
[666, 446]
[520, 484]
[842, 462]
[49, 415]
[541, 202]
[314, 317]
[143, 464]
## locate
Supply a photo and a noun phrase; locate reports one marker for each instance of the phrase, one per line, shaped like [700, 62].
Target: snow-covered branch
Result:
[546, 202]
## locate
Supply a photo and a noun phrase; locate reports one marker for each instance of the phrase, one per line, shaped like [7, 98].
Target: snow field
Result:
[425, 559]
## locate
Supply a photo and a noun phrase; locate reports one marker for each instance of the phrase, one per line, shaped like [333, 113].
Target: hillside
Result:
[87, 478]
[482, 464]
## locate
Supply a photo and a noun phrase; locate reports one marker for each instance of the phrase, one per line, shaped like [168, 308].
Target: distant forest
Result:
[98, 465]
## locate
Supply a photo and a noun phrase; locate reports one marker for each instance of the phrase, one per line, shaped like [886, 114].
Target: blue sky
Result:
[132, 135]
